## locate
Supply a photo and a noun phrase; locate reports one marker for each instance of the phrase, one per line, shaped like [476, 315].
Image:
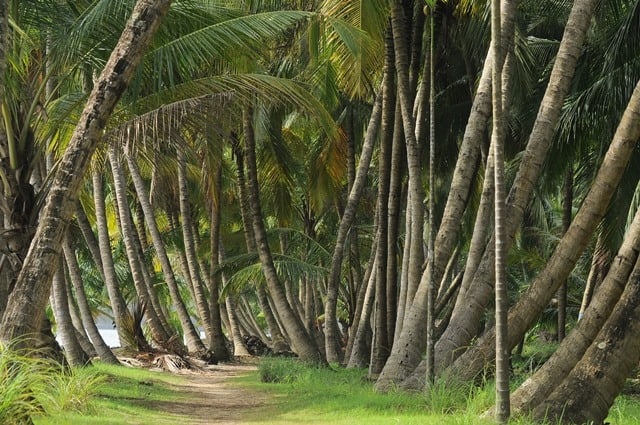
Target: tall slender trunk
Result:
[331, 321]
[118, 305]
[194, 344]
[189, 246]
[303, 344]
[72, 349]
[27, 302]
[75, 275]
[159, 332]
[570, 247]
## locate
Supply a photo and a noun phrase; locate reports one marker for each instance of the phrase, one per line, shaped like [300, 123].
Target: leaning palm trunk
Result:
[587, 393]
[409, 346]
[27, 302]
[570, 247]
[189, 247]
[194, 344]
[118, 305]
[304, 345]
[75, 275]
[128, 231]
[66, 332]
[466, 317]
[331, 320]
[550, 375]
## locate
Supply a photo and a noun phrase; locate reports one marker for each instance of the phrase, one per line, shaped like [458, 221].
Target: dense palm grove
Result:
[324, 177]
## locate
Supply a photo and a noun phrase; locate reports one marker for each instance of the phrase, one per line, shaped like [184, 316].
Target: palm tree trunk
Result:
[217, 340]
[159, 332]
[550, 375]
[118, 305]
[27, 302]
[466, 318]
[189, 246]
[360, 355]
[587, 393]
[72, 349]
[570, 247]
[331, 322]
[304, 345]
[75, 275]
[194, 344]
[567, 213]
[409, 346]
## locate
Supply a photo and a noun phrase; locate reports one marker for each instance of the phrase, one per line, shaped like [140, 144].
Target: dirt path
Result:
[208, 398]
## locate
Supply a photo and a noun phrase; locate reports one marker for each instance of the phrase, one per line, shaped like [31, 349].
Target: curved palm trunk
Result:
[217, 340]
[550, 375]
[587, 393]
[359, 354]
[570, 247]
[118, 305]
[331, 321]
[72, 349]
[409, 346]
[75, 275]
[194, 344]
[466, 317]
[189, 245]
[304, 345]
[24, 312]
[128, 232]
[278, 339]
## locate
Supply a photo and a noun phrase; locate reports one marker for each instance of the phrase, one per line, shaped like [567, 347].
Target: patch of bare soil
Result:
[207, 397]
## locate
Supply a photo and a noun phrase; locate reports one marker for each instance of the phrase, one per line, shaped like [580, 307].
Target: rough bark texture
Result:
[570, 247]
[466, 319]
[588, 392]
[27, 302]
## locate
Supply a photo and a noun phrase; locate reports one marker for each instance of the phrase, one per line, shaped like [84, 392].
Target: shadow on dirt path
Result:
[208, 397]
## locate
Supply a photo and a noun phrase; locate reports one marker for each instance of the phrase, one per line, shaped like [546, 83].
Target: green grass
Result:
[127, 396]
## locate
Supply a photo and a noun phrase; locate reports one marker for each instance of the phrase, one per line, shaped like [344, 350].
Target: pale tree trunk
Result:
[217, 340]
[60, 305]
[360, 355]
[303, 344]
[75, 275]
[382, 343]
[189, 246]
[239, 349]
[469, 309]
[278, 340]
[118, 305]
[80, 331]
[331, 321]
[600, 264]
[570, 247]
[409, 346]
[567, 204]
[532, 391]
[501, 296]
[194, 344]
[27, 302]
[587, 393]
[416, 194]
[159, 332]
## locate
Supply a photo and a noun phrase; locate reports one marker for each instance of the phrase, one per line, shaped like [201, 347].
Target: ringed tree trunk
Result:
[75, 275]
[194, 344]
[409, 346]
[332, 346]
[27, 302]
[303, 344]
[587, 393]
[533, 391]
[472, 303]
[570, 247]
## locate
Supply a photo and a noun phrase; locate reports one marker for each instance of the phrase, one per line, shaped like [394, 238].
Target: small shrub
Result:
[31, 385]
